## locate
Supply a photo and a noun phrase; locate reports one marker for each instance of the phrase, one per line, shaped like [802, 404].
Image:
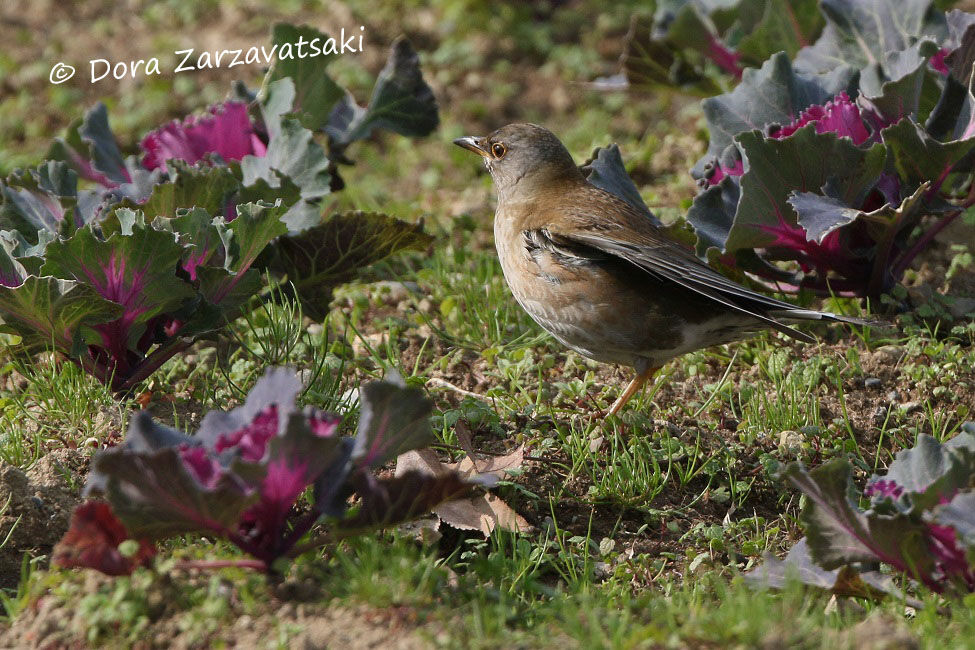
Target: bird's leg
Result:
[635, 384]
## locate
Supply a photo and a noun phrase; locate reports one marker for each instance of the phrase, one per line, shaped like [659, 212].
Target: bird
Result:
[600, 276]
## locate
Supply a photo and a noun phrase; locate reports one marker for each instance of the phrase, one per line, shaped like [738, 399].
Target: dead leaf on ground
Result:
[482, 513]
[497, 466]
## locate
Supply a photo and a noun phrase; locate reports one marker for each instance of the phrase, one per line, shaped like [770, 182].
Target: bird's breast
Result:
[584, 304]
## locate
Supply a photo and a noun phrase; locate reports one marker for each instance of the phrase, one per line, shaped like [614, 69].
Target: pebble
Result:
[790, 441]
[894, 396]
[911, 407]
[671, 428]
[600, 570]
[872, 382]
[393, 292]
[879, 416]
[892, 352]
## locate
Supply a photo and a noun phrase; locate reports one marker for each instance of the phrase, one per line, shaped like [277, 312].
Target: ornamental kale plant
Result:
[920, 523]
[847, 160]
[242, 475]
[700, 45]
[121, 262]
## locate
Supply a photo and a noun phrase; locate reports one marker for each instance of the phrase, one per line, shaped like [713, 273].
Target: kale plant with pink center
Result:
[119, 262]
[917, 521]
[846, 145]
[243, 475]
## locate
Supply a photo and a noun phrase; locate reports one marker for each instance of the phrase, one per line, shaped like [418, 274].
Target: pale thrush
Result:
[599, 275]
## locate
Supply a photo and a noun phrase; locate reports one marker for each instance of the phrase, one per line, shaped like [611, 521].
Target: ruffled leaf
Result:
[39, 198]
[156, 493]
[243, 240]
[839, 533]
[401, 102]
[386, 502]
[959, 515]
[225, 130]
[48, 310]
[321, 258]
[821, 215]
[772, 26]
[605, 170]
[774, 94]
[92, 151]
[137, 271]
[292, 154]
[93, 539]
[393, 419]
[773, 170]
[208, 188]
[863, 32]
[315, 92]
[844, 581]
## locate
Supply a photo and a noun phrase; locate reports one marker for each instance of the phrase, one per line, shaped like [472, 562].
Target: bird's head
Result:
[523, 159]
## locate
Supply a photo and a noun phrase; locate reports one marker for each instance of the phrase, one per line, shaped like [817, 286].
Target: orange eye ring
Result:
[498, 150]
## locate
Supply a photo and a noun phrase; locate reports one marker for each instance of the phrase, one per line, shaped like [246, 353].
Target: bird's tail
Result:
[812, 314]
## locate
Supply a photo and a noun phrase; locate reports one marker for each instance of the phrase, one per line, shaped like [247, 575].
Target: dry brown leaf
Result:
[496, 466]
[468, 514]
[507, 519]
[422, 460]
[482, 513]
[464, 437]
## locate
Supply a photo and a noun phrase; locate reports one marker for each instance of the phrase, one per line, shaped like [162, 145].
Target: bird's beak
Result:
[472, 143]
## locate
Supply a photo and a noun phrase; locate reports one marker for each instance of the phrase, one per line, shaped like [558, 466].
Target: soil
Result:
[51, 623]
[38, 506]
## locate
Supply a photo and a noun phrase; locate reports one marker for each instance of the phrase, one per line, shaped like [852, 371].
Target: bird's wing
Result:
[603, 223]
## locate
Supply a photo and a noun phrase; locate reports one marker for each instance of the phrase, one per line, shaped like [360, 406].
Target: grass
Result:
[641, 538]
[643, 523]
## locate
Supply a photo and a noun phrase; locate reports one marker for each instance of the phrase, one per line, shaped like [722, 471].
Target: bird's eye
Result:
[498, 149]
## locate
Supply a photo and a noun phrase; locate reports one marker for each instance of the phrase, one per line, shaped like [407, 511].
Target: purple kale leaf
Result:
[839, 533]
[393, 419]
[293, 156]
[226, 131]
[91, 149]
[773, 95]
[135, 271]
[890, 81]
[243, 474]
[47, 311]
[844, 581]
[864, 33]
[39, 199]
[121, 297]
[921, 519]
